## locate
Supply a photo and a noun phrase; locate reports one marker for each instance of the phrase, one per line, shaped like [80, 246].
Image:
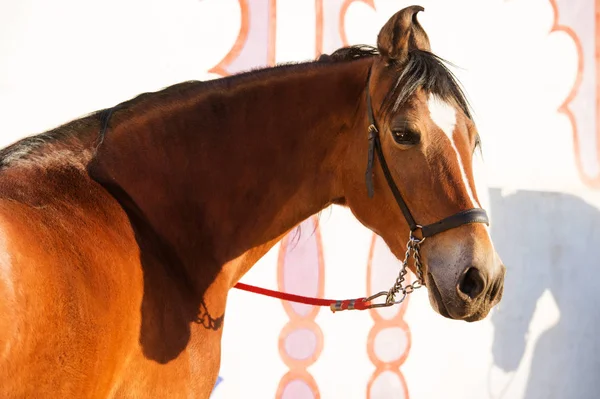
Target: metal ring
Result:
[399, 301]
[413, 237]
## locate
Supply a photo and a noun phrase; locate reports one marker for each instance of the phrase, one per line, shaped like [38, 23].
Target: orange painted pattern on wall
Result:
[301, 271]
[389, 339]
[258, 22]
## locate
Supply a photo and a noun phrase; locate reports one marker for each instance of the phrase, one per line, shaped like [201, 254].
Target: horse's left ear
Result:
[402, 33]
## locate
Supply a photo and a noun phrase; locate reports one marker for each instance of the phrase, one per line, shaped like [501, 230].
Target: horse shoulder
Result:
[70, 290]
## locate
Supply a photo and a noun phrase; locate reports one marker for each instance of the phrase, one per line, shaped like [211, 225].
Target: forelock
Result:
[424, 70]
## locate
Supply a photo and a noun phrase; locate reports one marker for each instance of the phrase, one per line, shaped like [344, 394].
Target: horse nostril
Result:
[472, 283]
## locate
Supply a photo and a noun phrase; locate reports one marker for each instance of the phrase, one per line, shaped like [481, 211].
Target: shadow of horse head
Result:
[549, 241]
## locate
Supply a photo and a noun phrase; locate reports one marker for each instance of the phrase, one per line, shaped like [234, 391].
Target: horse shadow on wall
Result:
[549, 241]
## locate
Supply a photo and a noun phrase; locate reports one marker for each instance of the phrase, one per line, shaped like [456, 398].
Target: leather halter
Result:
[474, 215]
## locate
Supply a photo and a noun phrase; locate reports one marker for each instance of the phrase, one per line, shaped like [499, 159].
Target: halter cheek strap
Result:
[474, 215]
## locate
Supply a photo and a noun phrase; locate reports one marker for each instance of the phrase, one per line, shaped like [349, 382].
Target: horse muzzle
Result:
[470, 297]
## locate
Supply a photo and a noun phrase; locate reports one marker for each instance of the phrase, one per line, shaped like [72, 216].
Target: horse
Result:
[123, 231]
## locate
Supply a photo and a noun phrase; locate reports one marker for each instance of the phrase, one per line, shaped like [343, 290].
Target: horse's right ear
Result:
[402, 33]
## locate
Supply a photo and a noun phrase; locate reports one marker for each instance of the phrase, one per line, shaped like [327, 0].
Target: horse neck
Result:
[236, 165]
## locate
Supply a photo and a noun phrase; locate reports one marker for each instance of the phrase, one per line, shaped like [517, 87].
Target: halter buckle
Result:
[372, 131]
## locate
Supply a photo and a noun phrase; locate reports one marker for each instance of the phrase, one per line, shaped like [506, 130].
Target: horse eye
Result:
[406, 136]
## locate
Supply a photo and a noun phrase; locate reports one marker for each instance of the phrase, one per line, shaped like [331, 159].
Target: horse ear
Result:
[402, 33]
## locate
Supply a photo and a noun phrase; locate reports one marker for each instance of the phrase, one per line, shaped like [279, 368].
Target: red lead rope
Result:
[335, 306]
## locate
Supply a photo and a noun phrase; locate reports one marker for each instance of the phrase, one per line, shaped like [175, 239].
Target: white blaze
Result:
[444, 115]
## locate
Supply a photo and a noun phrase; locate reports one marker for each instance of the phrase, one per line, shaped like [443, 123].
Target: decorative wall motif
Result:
[300, 271]
[255, 44]
[331, 29]
[389, 340]
[582, 105]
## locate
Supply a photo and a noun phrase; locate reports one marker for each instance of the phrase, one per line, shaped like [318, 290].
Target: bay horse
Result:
[122, 232]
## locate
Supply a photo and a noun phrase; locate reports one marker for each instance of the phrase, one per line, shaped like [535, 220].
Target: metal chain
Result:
[412, 248]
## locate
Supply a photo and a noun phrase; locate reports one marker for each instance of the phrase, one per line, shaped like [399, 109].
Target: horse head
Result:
[422, 163]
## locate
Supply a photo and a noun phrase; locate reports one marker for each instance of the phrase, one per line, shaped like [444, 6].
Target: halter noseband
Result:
[474, 215]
